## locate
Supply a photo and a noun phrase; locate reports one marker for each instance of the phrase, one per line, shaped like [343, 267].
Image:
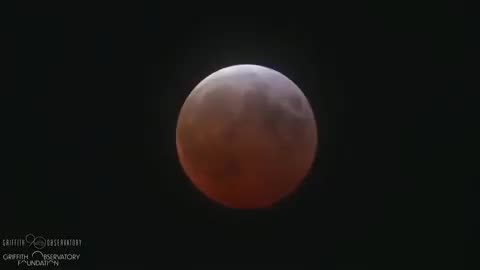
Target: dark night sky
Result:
[91, 133]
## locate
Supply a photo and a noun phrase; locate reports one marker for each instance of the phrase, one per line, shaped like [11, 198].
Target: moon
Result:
[246, 137]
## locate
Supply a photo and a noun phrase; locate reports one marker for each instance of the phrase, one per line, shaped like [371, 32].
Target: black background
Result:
[91, 133]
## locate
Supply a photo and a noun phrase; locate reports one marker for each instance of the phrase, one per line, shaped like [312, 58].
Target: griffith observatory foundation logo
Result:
[33, 250]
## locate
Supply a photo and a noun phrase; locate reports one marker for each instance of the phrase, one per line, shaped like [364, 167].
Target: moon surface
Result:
[246, 136]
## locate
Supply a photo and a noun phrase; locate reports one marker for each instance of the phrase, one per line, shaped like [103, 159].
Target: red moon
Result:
[246, 136]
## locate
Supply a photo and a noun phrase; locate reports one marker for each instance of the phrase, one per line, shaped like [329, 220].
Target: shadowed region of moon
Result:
[246, 136]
